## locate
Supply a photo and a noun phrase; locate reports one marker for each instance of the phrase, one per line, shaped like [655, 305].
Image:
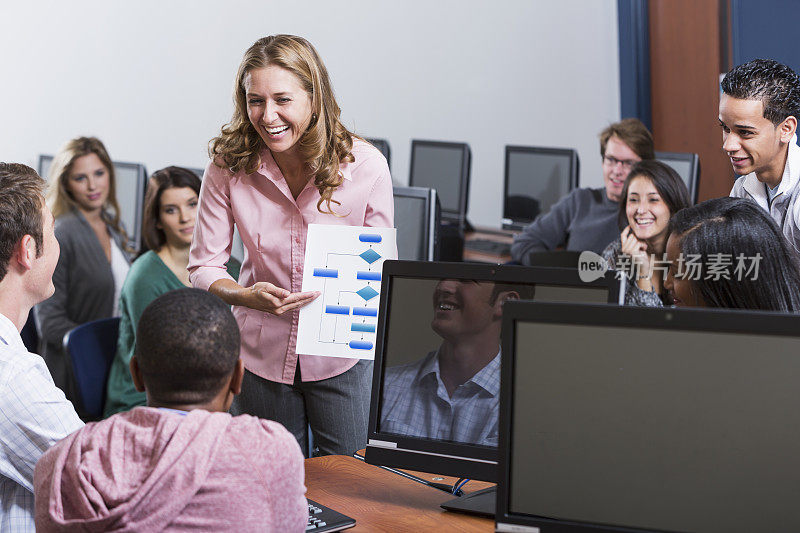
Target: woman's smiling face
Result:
[648, 214]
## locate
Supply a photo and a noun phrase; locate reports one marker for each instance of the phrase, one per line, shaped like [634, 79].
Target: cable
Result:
[440, 486]
[457, 487]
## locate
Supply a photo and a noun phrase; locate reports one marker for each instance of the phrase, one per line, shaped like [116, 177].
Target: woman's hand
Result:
[261, 296]
[269, 298]
[638, 251]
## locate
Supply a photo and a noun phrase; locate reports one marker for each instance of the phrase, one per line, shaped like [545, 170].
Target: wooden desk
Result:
[382, 501]
[496, 235]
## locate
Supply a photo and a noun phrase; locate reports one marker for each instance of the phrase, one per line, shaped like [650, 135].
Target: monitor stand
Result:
[480, 502]
[451, 242]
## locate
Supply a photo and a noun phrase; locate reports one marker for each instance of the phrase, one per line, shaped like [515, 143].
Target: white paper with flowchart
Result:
[344, 263]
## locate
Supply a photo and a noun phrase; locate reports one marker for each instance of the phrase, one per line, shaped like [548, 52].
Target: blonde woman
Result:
[94, 250]
[285, 160]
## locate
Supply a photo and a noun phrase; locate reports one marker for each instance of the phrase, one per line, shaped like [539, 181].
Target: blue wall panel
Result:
[766, 29]
[634, 60]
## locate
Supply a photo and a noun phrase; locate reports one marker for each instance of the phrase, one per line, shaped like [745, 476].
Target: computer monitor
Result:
[383, 146]
[416, 217]
[535, 179]
[687, 166]
[131, 179]
[443, 166]
[622, 419]
[446, 316]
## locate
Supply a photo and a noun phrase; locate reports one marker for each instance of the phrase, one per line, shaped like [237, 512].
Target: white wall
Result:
[153, 79]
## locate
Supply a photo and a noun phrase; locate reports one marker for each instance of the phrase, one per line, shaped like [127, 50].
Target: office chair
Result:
[91, 347]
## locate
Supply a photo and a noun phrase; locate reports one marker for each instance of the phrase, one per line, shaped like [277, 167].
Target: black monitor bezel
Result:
[458, 216]
[712, 320]
[432, 213]
[462, 460]
[135, 233]
[694, 159]
[574, 167]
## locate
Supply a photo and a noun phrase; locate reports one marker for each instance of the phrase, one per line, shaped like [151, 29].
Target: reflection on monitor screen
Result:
[435, 393]
[443, 381]
[439, 167]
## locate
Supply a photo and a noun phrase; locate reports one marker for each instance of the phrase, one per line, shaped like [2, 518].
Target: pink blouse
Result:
[273, 225]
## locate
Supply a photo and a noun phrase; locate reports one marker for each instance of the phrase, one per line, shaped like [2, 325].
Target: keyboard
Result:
[321, 518]
[488, 246]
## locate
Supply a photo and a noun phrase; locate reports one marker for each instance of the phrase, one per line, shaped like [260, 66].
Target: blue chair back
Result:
[91, 348]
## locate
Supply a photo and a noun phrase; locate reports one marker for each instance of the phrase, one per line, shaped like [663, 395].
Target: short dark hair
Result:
[160, 181]
[632, 132]
[21, 203]
[667, 182]
[739, 226]
[775, 84]
[187, 345]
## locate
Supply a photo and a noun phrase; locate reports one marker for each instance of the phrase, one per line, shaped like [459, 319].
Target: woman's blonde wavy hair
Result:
[325, 143]
[60, 200]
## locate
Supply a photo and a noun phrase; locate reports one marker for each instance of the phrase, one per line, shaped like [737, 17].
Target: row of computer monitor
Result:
[416, 211]
[535, 178]
[592, 416]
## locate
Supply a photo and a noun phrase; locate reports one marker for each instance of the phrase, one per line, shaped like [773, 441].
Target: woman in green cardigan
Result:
[169, 215]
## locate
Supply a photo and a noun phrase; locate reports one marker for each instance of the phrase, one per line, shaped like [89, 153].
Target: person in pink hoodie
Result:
[182, 463]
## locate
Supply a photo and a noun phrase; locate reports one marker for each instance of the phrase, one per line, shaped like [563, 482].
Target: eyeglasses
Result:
[612, 161]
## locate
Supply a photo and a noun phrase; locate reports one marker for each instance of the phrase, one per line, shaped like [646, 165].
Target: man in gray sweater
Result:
[586, 219]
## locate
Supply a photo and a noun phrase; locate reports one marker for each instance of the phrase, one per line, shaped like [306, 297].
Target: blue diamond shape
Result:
[368, 293]
[370, 256]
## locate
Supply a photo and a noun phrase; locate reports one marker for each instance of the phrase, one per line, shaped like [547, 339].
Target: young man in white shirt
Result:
[758, 113]
[34, 414]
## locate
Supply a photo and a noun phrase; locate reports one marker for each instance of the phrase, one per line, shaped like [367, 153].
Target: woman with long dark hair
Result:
[170, 209]
[728, 252]
[652, 193]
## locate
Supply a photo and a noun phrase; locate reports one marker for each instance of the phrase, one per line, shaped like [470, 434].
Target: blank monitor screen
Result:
[535, 180]
[666, 429]
[439, 167]
[411, 214]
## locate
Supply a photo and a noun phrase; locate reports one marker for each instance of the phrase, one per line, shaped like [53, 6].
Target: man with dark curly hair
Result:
[758, 113]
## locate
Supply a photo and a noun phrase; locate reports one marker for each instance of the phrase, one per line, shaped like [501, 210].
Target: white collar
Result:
[9, 334]
[789, 179]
